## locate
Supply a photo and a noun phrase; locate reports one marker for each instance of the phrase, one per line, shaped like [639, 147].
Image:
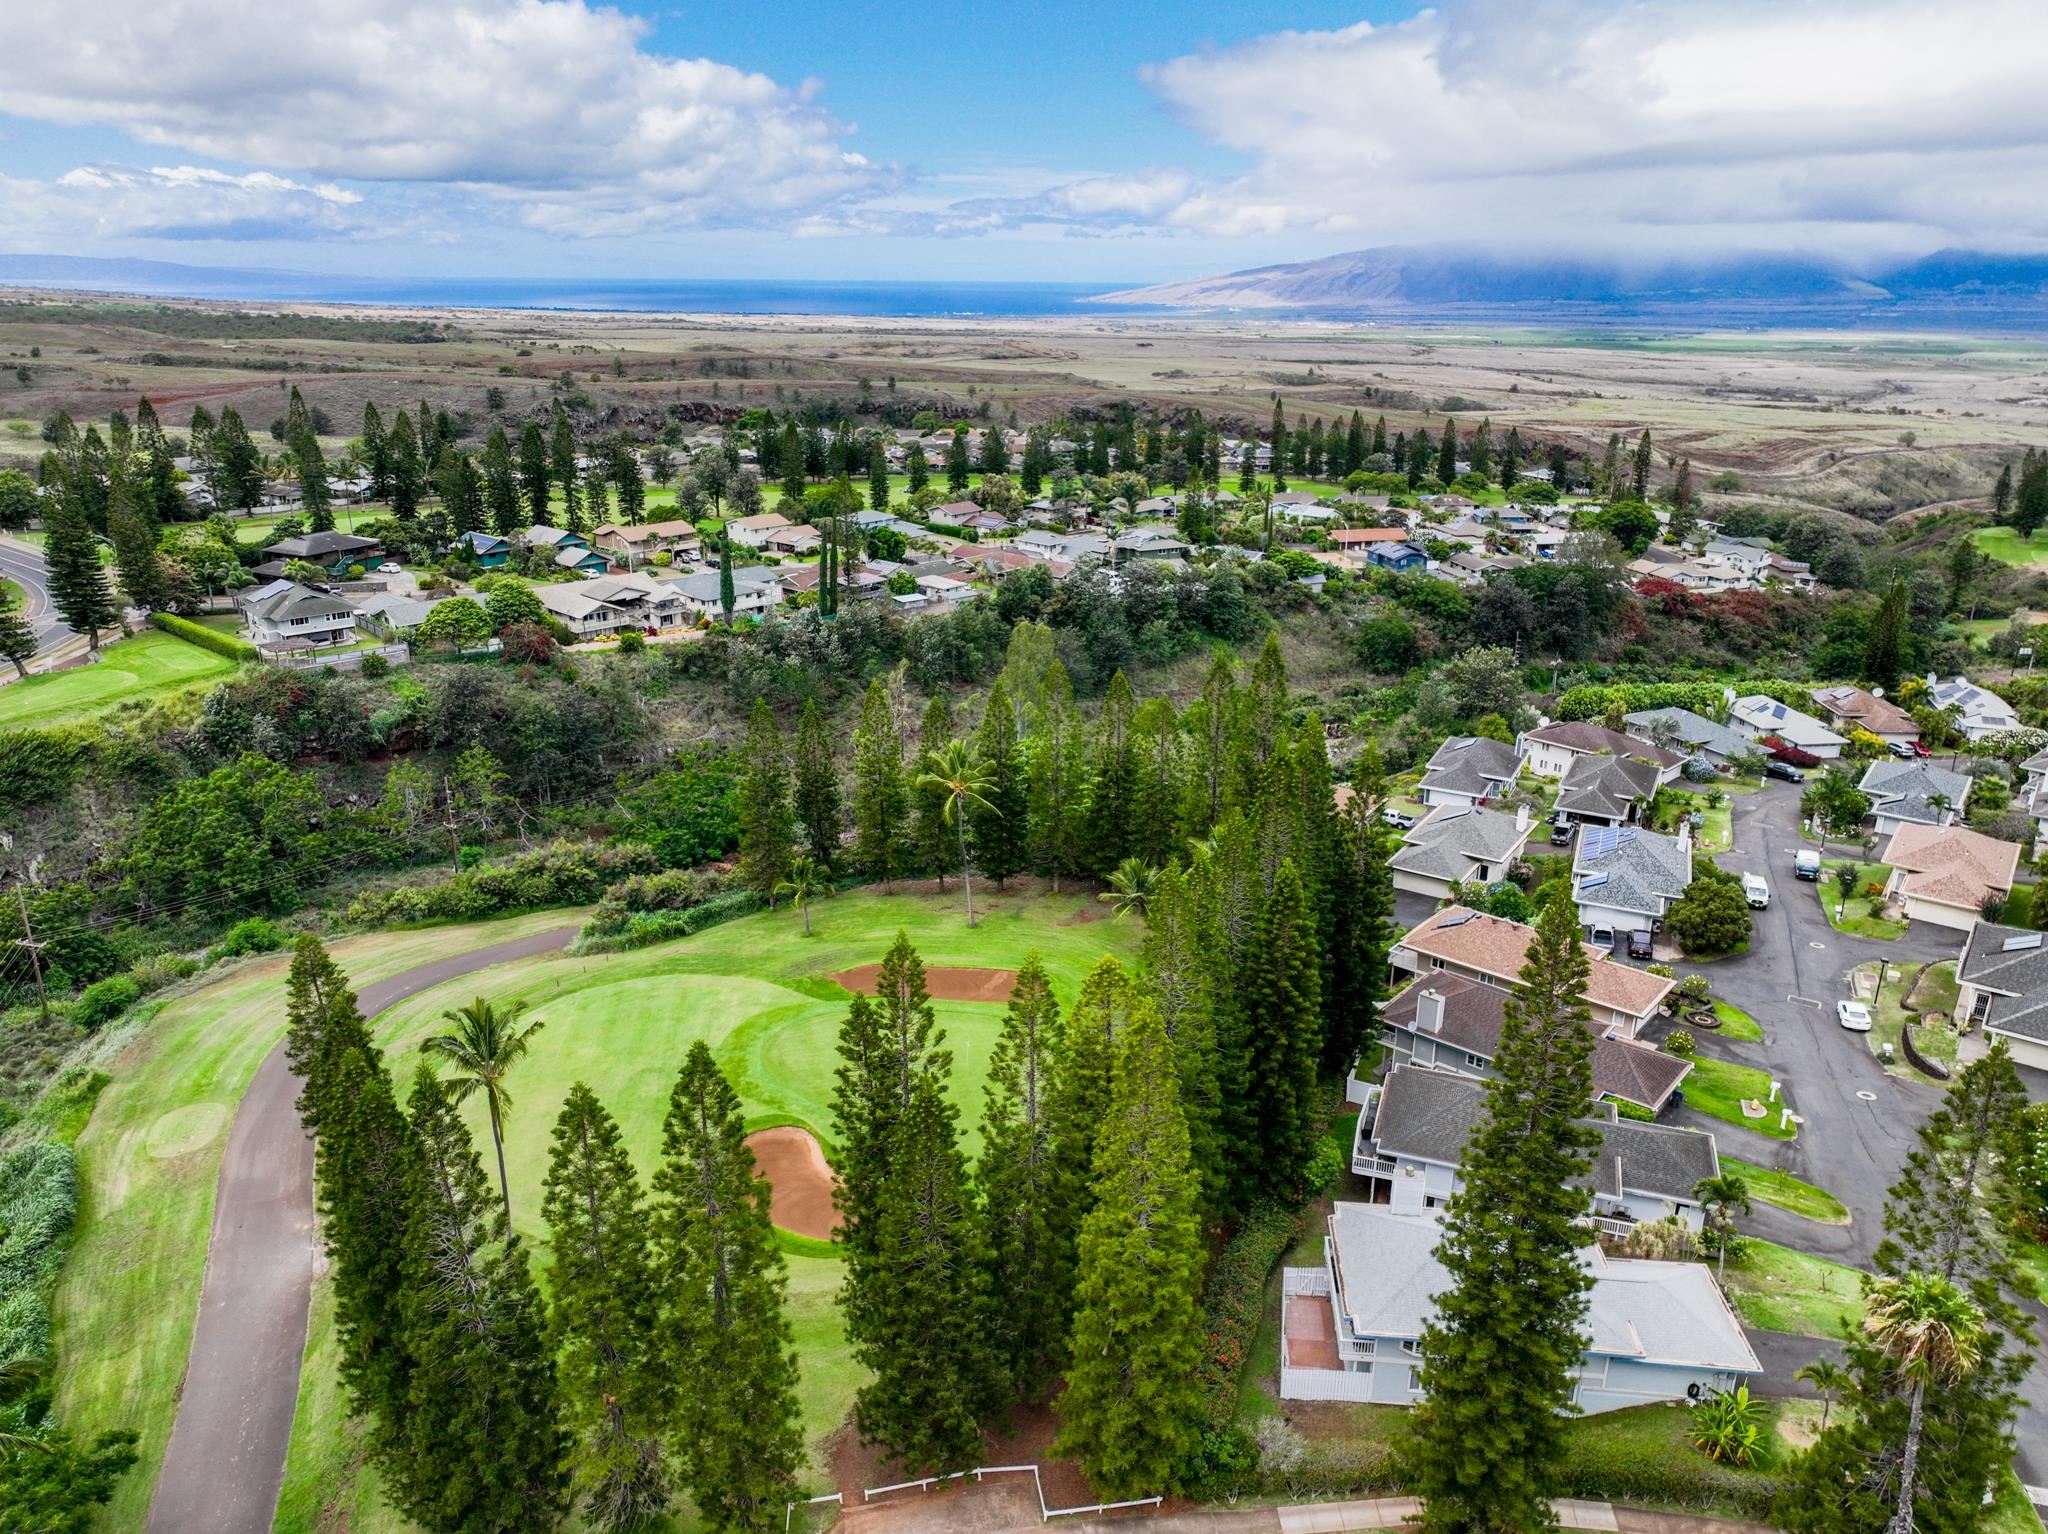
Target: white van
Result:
[1755, 891]
[1806, 865]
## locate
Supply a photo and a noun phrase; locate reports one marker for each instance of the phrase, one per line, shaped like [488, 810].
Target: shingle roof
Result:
[1493, 945]
[1901, 790]
[1952, 865]
[1585, 736]
[1694, 731]
[1605, 785]
[1783, 721]
[1866, 710]
[1630, 869]
[2014, 961]
[1472, 764]
[1451, 837]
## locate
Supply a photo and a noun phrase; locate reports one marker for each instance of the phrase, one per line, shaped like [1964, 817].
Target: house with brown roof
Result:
[632, 542]
[1550, 751]
[754, 532]
[1851, 708]
[1451, 1023]
[1944, 874]
[1490, 949]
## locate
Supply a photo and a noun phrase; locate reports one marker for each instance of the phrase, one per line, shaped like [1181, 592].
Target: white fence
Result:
[1314, 1384]
[342, 660]
[1045, 1514]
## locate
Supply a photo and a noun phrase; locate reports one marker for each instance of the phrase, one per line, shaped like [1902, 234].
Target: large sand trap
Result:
[943, 982]
[800, 1181]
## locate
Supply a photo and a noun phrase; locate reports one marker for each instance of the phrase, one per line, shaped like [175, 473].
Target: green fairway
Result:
[2008, 547]
[150, 665]
[148, 1162]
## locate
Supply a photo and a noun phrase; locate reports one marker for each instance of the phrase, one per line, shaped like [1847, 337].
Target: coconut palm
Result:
[1932, 1333]
[804, 882]
[1130, 887]
[956, 768]
[486, 1044]
[1830, 1381]
[1941, 804]
[1723, 1198]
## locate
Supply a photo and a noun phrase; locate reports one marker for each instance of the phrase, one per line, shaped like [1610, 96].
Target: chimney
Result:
[1521, 817]
[1685, 833]
[1429, 1012]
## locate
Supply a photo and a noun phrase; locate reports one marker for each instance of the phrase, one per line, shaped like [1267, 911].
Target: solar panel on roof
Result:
[1592, 881]
[2024, 940]
[1456, 919]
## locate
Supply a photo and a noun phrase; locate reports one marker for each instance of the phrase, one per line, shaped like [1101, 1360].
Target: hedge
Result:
[1609, 1470]
[206, 638]
[564, 873]
[104, 1000]
[1592, 700]
[1234, 1299]
[640, 929]
[38, 1207]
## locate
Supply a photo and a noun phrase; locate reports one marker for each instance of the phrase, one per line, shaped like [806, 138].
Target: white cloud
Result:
[181, 202]
[1858, 125]
[550, 106]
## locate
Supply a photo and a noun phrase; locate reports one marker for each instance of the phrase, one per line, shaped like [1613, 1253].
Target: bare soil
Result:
[944, 982]
[800, 1181]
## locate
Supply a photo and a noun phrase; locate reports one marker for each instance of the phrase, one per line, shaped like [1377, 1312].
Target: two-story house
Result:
[1851, 708]
[1459, 844]
[611, 604]
[1695, 734]
[755, 531]
[1491, 950]
[1979, 712]
[1469, 769]
[1607, 790]
[1916, 793]
[756, 590]
[2002, 987]
[1762, 718]
[283, 615]
[634, 543]
[1553, 750]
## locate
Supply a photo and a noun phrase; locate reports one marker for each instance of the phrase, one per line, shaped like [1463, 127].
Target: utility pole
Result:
[35, 950]
[454, 831]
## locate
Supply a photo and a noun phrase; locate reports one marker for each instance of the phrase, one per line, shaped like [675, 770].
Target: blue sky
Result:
[1052, 141]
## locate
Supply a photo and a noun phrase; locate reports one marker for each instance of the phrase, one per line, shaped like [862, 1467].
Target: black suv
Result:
[1785, 772]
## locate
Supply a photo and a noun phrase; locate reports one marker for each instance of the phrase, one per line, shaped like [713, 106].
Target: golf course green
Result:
[757, 990]
[149, 665]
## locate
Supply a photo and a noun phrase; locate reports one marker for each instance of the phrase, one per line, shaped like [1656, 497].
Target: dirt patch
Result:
[945, 982]
[800, 1181]
[1024, 1439]
[1083, 916]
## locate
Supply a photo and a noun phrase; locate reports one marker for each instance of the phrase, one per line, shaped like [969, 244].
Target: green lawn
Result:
[1781, 1290]
[1788, 1192]
[1737, 1024]
[2019, 906]
[1932, 992]
[1718, 1087]
[2008, 547]
[148, 1162]
[152, 664]
[1854, 914]
[2032, 1259]
[760, 994]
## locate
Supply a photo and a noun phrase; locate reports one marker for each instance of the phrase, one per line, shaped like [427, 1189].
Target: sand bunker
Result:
[943, 982]
[800, 1181]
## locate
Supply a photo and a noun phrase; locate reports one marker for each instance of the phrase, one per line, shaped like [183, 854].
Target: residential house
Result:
[944, 590]
[953, 514]
[631, 543]
[487, 551]
[1459, 844]
[610, 604]
[792, 542]
[1915, 792]
[1692, 574]
[284, 616]
[1978, 711]
[754, 532]
[1469, 769]
[541, 536]
[1358, 539]
[2033, 793]
[1396, 556]
[1789, 572]
[1944, 875]
[1148, 543]
[1607, 790]
[1624, 878]
[1750, 557]
[1450, 1023]
[581, 561]
[394, 614]
[1761, 718]
[2002, 982]
[1490, 949]
[1468, 567]
[1696, 734]
[1851, 708]
[1352, 1330]
[1411, 1137]
[1550, 751]
[756, 589]
[333, 552]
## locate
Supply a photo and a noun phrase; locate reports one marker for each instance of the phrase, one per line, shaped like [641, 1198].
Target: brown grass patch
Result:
[945, 982]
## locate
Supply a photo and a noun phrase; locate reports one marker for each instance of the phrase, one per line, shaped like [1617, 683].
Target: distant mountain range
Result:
[1969, 288]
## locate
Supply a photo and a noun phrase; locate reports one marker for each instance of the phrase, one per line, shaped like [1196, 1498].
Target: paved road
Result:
[1859, 1121]
[22, 563]
[225, 1460]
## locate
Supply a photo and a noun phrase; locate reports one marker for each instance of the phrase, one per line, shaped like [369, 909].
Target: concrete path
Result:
[225, 1461]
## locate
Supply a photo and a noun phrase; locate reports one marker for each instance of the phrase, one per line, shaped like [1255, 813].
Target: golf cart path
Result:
[225, 1460]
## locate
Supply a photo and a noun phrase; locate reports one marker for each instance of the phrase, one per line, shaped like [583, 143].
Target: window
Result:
[1412, 1346]
[1475, 1062]
[1414, 1378]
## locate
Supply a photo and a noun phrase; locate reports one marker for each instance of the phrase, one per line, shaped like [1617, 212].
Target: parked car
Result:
[1921, 748]
[390, 567]
[1806, 865]
[1756, 891]
[1560, 836]
[1784, 772]
[1640, 944]
[1397, 820]
[1854, 1016]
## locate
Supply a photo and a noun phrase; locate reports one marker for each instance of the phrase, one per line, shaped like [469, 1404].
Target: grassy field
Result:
[1781, 1290]
[1854, 914]
[1788, 1192]
[1737, 1024]
[148, 1163]
[1719, 1086]
[2009, 548]
[149, 665]
[1932, 992]
[760, 994]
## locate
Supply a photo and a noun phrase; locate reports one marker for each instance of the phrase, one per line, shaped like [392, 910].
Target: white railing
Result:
[341, 660]
[1324, 1384]
[1045, 1514]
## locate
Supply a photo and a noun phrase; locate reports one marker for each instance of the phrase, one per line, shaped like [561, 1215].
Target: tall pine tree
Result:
[766, 846]
[1485, 1448]
[1001, 831]
[78, 581]
[1285, 1039]
[815, 788]
[881, 821]
[1113, 782]
[1180, 927]
[933, 836]
[738, 1435]
[1056, 785]
[1362, 909]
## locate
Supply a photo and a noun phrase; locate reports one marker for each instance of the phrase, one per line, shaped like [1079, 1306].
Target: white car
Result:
[1854, 1015]
[390, 568]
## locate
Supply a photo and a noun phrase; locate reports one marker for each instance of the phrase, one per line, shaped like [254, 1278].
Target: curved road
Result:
[23, 564]
[225, 1461]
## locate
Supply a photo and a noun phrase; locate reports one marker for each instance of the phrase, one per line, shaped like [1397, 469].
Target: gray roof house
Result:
[2033, 793]
[1757, 716]
[1469, 769]
[1459, 844]
[1549, 752]
[2003, 986]
[1449, 1022]
[1654, 1331]
[1901, 791]
[756, 589]
[284, 615]
[395, 612]
[1607, 790]
[1980, 712]
[1625, 878]
[1694, 733]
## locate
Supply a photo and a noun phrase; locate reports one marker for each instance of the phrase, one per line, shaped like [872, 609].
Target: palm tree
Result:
[956, 768]
[1723, 1197]
[1130, 887]
[803, 884]
[1941, 804]
[1829, 1380]
[1930, 1331]
[16, 1375]
[486, 1044]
